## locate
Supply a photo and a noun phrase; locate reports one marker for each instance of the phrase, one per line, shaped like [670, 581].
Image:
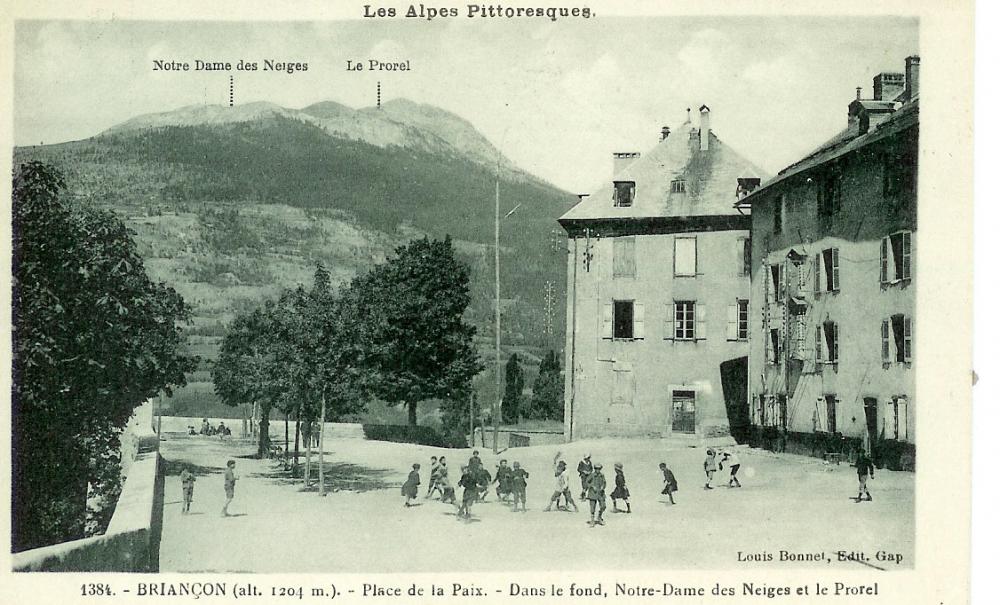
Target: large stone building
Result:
[658, 290]
[833, 284]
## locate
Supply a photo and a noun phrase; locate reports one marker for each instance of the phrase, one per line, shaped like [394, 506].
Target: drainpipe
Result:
[572, 348]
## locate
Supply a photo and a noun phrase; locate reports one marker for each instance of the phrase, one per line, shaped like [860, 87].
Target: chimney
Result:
[622, 159]
[912, 77]
[857, 95]
[706, 125]
[887, 86]
[664, 133]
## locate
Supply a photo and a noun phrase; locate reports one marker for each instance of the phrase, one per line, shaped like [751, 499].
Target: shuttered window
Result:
[896, 258]
[684, 320]
[738, 320]
[685, 256]
[624, 257]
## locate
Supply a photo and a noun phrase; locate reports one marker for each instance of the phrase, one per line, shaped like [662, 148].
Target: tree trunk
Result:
[286, 440]
[264, 443]
[322, 422]
[298, 414]
[411, 413]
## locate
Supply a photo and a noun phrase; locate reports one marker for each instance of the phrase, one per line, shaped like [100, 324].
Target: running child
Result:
[470, 492]
[519, 486]
[669, 482]
[730, 458]
[621, 491]
[187, 484]
[411, 487]
[561, 486]
[709, 466]
[865, 470]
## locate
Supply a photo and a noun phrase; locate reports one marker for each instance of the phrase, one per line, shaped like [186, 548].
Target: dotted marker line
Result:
[230, 91]
[378, 95]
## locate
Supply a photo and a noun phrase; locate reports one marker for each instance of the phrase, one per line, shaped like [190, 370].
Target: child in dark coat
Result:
[470, 492]
[865, 470]
[596, 485]
[669, 482]
[187, 484]
[412, 485]
[519, 486]
[621, 491]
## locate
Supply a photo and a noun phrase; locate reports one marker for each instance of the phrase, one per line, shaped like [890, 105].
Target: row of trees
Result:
[395, 334]
[93, 338]
[546, 401]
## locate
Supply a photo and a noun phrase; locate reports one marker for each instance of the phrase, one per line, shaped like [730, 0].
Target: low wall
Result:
[132, 541]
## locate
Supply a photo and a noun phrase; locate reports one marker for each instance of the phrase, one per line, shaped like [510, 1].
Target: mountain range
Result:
[232, 204]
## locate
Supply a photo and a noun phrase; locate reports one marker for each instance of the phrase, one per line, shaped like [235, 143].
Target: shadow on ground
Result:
[338, 476]
[174, 467]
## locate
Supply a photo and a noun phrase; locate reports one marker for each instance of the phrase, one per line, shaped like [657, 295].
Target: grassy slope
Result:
[230, 215]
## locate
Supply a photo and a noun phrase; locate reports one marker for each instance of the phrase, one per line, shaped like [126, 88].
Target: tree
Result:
[547, 398]
[403, 324]
[513, 387]
[94, 338]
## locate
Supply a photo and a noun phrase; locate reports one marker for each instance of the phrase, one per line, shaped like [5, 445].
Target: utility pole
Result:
[322, 426]
[496, 275]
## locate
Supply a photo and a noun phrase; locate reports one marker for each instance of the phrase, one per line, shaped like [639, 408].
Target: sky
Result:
[557, 98]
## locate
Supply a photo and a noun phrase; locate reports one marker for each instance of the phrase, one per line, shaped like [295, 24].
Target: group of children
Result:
[512, 483]
[717, 461]
[229, 484]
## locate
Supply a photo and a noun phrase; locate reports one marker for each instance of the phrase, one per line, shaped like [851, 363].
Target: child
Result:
[669, 482]
[483, 480]
[412, 485]
[595, 493]
[561, 486]
[230, 485]
[733, 461]
[502, 480]
[865, 469]
[470, 492]
[444, 484]
[432, 483]
[584, 469]
[620, 491]
[519, 486]
[709, 466]
[187, 483]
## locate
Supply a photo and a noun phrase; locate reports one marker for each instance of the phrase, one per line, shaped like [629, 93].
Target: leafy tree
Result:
[403, 324]
[547, 399]
[513, 387]
[94, 338]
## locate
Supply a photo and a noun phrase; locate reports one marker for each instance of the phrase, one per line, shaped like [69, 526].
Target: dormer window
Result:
[678, 186]
[624, 193]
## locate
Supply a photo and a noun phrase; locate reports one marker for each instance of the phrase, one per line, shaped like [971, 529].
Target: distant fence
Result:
[132, 540]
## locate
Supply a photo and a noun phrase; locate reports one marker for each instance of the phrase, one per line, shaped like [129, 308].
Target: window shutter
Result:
[738, 255]
[907, 340]
[903, 419]
[821, 415]
[668, 321]
[700, 332]
[886, 352]
[800, 336]
[888, 420]
[819, 345]
[768, 348]
[733, 322]
[906, 256]
[817, 269]
[836, 269]
[782, 290]
[835, 353]
[607, 320]
[884, 259]
[638, 320]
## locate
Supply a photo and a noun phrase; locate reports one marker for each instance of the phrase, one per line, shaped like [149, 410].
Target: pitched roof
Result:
[710, 181]
[846, 141]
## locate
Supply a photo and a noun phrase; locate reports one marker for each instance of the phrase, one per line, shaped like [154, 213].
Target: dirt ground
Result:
[787, 503]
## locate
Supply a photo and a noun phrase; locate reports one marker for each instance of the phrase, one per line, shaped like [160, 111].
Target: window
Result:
[779, 214]
[827, 343]
[774, 346]
[685, 256]
[777, 282]
[825, 415]
[624, 193]
[738, 321]
[624, 257]
[624, 316]
[896, 258]
[897, 339]
[743, 256]
[894, 422]
[826, 271]
[685, 322]
[678, 186]
[828, 196]
[899, 177]
[623, 320]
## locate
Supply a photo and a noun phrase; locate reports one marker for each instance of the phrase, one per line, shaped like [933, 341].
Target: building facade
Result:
[658, 292]
[832, 290]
